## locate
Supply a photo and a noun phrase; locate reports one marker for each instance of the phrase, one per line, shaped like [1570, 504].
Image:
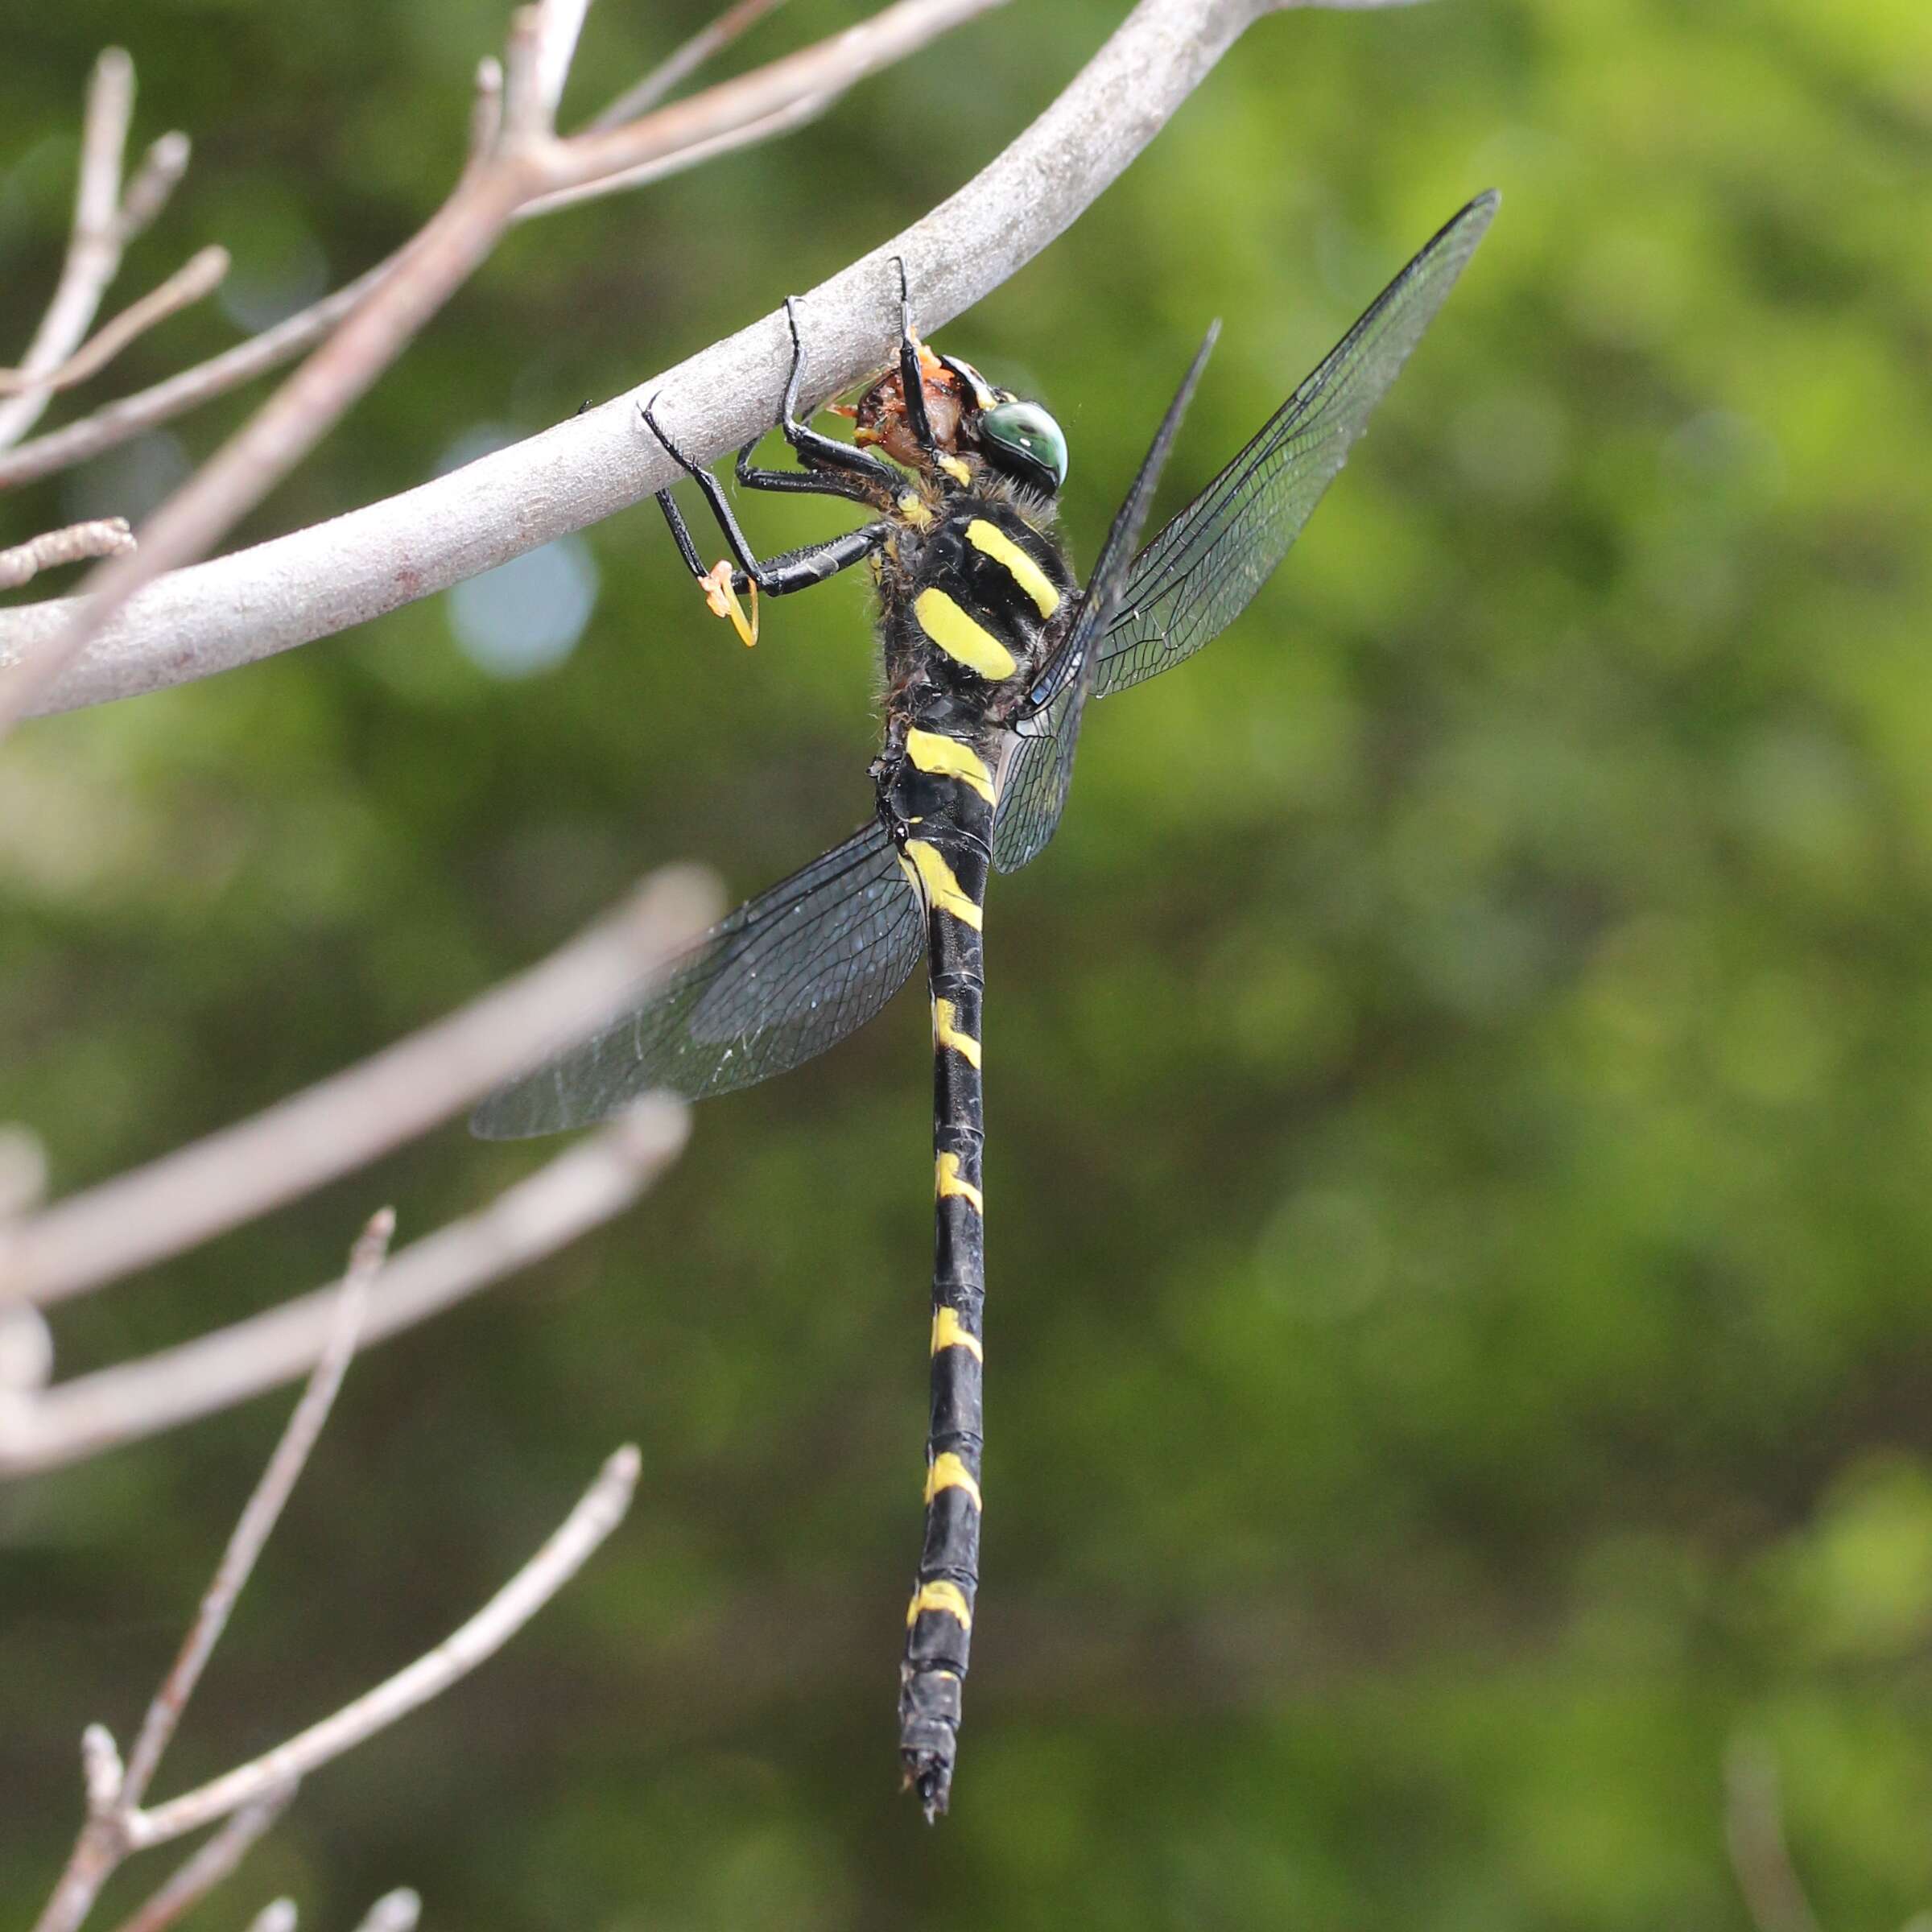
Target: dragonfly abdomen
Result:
[946, 854]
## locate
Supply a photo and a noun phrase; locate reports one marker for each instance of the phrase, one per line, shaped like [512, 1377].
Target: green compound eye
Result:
[1022, 440]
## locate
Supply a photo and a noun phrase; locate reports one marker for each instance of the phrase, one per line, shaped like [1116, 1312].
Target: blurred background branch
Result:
[106, 221]
[245, 1801]
[592, 1180]
[197, 1192]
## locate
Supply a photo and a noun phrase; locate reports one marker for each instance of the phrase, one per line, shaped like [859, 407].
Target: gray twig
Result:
[104, 220]
[1754, 1834]
[396, 1911]
[598, 1512]
[129, 416]
[706, 44]
[587, 1184]
[115, 1821]
[211, 1862]
[295, 1146]
[192, 280]
[102, 537]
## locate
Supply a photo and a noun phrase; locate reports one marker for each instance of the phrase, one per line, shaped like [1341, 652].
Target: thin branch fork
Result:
[599, 1511]
[115, 423]
[202, 273]
[330, 1129]
[527, 159]
[313, 583]
[106, 221]
[119, 1823]
[114, 1790]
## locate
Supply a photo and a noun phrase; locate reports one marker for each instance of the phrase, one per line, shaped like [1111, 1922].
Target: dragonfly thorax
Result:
[973, 597]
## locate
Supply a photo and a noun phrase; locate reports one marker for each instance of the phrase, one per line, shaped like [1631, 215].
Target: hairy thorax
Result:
[974, 593]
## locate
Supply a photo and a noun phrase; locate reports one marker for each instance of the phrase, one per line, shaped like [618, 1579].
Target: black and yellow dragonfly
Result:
[992, 650]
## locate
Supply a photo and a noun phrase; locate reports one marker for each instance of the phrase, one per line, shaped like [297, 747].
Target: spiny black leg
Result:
[911, 385]
[680, 535]
[714, 496]
[799, 569]
[808, 482]
[813, 448]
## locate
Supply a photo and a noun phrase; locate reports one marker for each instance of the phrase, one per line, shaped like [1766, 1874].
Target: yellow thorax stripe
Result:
[933, 751]
[948, 1598]
[955, 469]
[964, 639]
[994, 542]
[946, 1031]
[948, 1472]
[949, 1331]
[941, 884]
[951, 1183]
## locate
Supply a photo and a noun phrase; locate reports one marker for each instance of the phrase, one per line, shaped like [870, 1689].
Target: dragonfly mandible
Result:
[992, 651]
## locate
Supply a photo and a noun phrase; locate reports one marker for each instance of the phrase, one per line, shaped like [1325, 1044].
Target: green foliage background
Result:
[1461, 1081]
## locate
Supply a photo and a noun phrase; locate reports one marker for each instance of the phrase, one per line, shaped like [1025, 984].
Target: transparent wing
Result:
[1040, 765]
[1199, 574]
[787, 975]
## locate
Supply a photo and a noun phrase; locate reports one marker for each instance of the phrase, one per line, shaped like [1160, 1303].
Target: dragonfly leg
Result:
[911, 382]
[777, 577]
[815, 449]
[805, 482]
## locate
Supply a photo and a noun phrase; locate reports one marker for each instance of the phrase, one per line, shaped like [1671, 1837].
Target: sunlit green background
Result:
[1461, 1082]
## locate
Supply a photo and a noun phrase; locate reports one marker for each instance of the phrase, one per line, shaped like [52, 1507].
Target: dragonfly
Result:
[993, 651]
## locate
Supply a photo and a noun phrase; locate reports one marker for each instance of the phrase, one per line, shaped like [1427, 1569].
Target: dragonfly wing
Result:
[1038, 769]
[787, 975]
[1199, 573]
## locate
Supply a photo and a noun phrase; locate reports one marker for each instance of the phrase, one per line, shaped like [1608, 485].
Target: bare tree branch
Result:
[706, 44]
[194, 278]
[599, 1512]
[806, 109]
[115, 423]
[396, 1911]
[263, 1509]
[104, 222]
[103, 537]
[114, 1794]
[527, 159]
[312, 583]
[332, 1128]
[1754, 1834]
[209, 1864]
[592, 1181]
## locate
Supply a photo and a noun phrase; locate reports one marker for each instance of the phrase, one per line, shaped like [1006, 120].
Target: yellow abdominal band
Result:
[948, 1472]
[947, 1598]
[949, 1183]
[964, 639]
[949, 1332]
[940, 885]
[945, 1032]
[934, 751]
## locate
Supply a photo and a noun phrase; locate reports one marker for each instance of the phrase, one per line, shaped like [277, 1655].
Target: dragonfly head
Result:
[968, 417]
[1017, 438]
[1022, 441]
